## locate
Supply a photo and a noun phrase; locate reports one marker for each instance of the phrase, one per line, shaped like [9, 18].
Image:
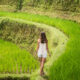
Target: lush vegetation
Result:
[20, 33]
[66, 5]
[15, 60]
[67, 67]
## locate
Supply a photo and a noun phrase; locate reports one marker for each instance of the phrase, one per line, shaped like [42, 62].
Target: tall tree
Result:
[19, 4]
[77, 1]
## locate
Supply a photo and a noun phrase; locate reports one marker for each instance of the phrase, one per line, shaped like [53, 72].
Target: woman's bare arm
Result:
[37, 46]
[48, 49]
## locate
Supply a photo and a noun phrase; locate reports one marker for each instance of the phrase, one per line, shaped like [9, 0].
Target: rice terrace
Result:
[21, 24]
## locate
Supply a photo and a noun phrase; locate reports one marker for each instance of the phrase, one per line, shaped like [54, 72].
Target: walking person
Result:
[42, 50]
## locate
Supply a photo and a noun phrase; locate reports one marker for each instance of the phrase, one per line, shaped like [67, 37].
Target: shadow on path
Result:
[16, 78]
[45, 77]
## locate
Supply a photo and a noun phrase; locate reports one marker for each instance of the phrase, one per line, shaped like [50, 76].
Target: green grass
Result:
[15, 60]
[67, 66]
[15, 76]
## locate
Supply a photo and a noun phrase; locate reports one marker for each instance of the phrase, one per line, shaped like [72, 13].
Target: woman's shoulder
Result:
[39, 40]
[46, 41]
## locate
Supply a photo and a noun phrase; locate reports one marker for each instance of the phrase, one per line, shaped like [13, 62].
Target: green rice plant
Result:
[11, 56]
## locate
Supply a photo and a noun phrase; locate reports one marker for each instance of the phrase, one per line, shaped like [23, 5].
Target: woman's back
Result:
[42, 47]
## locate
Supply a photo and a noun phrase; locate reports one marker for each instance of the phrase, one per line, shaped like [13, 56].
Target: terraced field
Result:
[15, 60]
[64, 63]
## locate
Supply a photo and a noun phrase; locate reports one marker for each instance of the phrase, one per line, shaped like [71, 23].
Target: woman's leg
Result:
[42, 64]
[40, 59]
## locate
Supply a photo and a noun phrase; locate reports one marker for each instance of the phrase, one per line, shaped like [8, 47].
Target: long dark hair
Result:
[43, 37]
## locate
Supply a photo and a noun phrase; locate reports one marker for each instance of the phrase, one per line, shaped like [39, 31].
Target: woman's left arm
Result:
[37, 46]
[48, 49]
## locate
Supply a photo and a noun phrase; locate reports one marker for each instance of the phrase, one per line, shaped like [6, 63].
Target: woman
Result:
[42, 50]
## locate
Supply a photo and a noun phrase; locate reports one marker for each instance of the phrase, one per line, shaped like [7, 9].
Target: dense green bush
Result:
[20, 33]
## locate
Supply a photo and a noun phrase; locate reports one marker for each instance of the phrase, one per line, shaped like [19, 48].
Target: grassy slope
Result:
[13, 59]
[67, 67]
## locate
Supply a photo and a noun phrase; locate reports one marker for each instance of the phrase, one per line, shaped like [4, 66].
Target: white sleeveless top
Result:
[42, 48]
